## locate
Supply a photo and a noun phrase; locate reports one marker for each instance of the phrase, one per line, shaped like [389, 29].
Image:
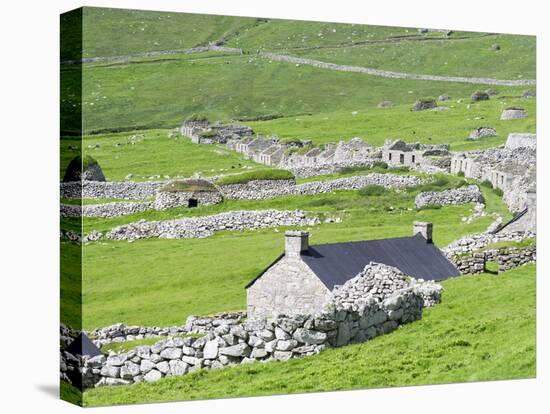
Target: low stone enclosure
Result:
[373, 303]
[472, 253]
[506, 258]
[470, 194]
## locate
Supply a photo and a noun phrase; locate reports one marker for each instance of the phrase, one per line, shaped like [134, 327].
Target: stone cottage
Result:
[398, 153]
[187, 193]
[300, 279]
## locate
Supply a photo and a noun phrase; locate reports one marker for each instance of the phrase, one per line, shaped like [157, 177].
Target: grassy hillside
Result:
[473, 56]
[375, 125]
[162, 94]
[159, 92]
[136, 282]
[139, 31]
[150, 153]
[483, 330]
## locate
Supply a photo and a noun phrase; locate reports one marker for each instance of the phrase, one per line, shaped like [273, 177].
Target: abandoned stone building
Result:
[187, 193]
[202, 132]
[398, 152]
[511, 169]
[520, 140]
[300, 279]
[501, 166]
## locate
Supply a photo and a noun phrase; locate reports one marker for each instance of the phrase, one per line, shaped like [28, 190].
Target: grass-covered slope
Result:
[476, 55]
[485, 329]
[151, 153]
[375, 125]
[161, 94]
[139, 31]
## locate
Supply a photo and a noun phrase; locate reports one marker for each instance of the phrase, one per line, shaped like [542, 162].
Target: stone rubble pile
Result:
[482, 132]
[377, 282]
[205, 226]
[470, 194]
[375, 303]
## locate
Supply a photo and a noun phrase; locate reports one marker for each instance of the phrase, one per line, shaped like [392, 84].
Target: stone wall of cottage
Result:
[170, 199]
[289, 286]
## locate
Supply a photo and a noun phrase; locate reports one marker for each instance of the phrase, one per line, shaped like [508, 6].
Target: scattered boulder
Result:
[495, 46]
[482, 132]
[530, 93]
[444, 98]
[423, 104]
[491, 92]
[479, 96]
[513, 113]
[83, 169]
[385, 104]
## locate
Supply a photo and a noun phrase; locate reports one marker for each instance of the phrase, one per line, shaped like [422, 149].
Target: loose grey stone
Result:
[152, 376]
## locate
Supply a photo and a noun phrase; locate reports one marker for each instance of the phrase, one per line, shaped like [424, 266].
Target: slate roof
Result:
[336, 263]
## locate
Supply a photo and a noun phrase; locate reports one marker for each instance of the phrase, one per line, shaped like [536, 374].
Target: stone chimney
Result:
[296, 242]
[425, 228]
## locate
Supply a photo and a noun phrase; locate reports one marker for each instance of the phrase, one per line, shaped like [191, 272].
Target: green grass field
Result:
[155, 154]
[448, 57]
[162, 94]
[375, 125]
[483, 330]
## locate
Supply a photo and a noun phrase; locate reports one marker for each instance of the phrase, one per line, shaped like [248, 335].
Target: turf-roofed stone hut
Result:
[187, 193]
[83, 169]
[301, 278]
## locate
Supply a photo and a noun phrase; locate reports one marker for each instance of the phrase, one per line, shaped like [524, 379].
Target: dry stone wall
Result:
[255, 190]
[205, 226]
[104, 210]
[397, 75]
[124, 190]
[479, 241]
[470, 194]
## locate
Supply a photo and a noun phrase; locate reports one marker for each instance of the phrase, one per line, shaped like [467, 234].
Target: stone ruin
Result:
[513, 113]
[203, 132]
[479, 96]
[511, 169]
[83, 169]
[431, 157]
[482, 132]
[423, 104]
[187, 193]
